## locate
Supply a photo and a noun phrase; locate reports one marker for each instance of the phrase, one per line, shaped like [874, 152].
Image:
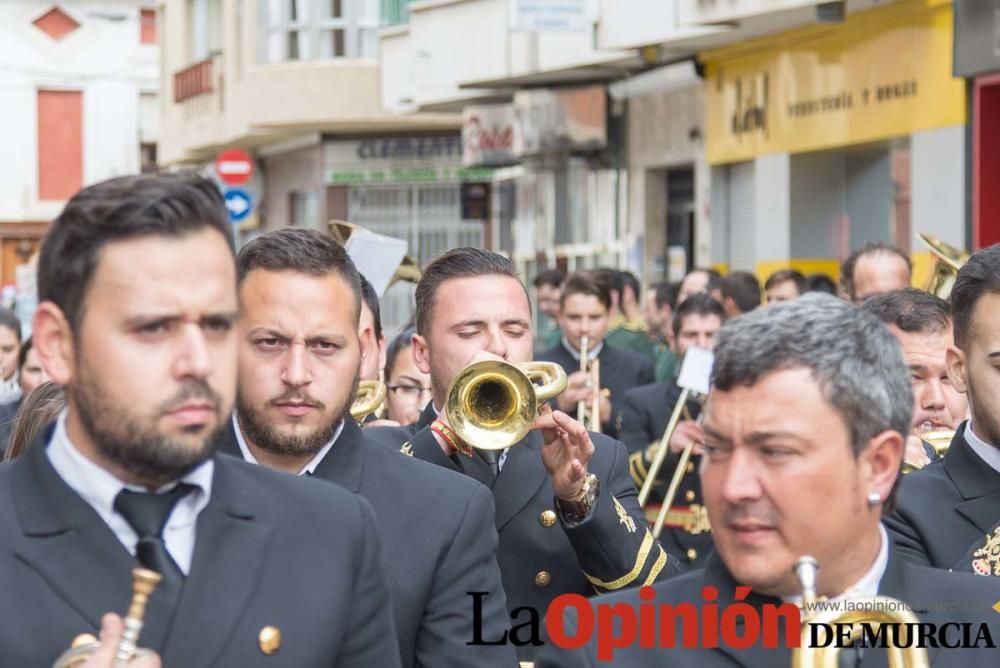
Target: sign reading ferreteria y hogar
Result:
[395, 160]
[882, 73]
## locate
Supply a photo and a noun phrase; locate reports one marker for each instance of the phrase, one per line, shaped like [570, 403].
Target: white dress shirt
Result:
[310, 466]
[592, 353]
[988, 453]
[98, 487]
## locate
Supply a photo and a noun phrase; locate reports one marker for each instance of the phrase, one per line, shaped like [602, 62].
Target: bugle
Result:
[144, 582]
[581, 406]
[660, 455]
[492, 404]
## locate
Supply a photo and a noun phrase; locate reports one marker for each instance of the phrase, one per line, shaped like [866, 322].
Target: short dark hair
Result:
[743, 288]
[551, 277]
[665, 294]
[785, 275]
[626, 279]
[127, 207]
[371, 301]
[714, 278]
[911, 310]
[402, 342]
[22, 355]
[465, 262]
[821, 283]
[301, 250]
[9, 320]
[979, 276]
[870, 248]
[585, 284]
[699, 303]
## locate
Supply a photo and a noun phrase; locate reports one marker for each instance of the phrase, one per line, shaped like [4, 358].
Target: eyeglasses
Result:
[411, 391]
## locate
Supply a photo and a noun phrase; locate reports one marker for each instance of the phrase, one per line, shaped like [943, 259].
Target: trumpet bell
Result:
[948, 260]
[491, 405]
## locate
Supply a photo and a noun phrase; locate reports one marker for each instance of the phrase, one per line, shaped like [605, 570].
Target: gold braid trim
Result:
[630, 577]
[661, 561]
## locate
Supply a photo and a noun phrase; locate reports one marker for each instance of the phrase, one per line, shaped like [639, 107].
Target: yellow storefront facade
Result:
[823, 138]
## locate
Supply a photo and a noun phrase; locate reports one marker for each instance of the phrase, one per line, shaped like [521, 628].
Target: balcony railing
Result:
[193, 80]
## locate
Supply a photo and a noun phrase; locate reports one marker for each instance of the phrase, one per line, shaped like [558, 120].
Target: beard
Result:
[261, 432]
[136, 444]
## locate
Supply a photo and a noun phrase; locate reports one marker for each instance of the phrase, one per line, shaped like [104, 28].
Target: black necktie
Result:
[492, 459]
[147, 514]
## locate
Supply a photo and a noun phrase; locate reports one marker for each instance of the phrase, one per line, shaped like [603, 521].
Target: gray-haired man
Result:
[804, 433]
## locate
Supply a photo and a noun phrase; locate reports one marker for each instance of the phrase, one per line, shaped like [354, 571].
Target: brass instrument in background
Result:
[873, 610]
[408, 270]
[368, 400]
[660, 455]
[590, 416]
[948, 260]
[492, 404]
[144, 582]
[938, 439]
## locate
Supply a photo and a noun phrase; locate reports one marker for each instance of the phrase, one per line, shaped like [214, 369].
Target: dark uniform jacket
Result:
[645, 415]
[268, 552]
[540, 555]
[620, 371]
[438, 541]
[935, 596]
[945, 507]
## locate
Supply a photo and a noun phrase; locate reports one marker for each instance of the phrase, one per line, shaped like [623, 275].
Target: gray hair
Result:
[856, 360]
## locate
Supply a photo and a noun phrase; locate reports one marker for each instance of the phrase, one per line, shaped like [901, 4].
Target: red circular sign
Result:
[234, 166]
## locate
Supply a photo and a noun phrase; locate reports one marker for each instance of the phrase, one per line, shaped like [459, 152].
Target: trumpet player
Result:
[804, 433]
[299, 361]
[644, 421]
[566, 509]
[137, 320]
[953, 503]
[921, 322]
[583, 314]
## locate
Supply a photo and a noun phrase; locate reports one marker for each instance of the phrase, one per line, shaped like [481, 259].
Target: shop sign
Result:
[488, 135]
[393, 160]
[883, 73]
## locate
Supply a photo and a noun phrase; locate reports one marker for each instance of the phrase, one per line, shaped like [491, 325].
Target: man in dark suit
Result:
[566, 509]
[299, 363]
[645, 415]
[950, 504]
[583, 312]
[138, 307]
[804, 428]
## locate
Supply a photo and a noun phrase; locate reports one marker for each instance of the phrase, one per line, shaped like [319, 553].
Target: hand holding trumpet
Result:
[112, 629]
[567, 450]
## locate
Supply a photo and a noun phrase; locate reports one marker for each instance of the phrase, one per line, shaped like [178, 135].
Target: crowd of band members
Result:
[817, 401]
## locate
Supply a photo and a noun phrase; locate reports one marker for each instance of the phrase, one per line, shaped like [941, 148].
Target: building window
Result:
[395, 12]
[318, 29]
[303, 208]
[147, 158]
[147, 26]
[204, 29]
[60, 143]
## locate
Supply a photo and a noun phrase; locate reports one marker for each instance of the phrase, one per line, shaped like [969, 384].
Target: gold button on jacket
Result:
[543, 579]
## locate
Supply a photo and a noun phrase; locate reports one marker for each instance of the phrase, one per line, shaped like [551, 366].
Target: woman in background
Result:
[39, 409]
[408, 389]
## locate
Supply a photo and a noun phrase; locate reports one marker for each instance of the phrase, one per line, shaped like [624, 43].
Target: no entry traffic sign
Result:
[234, 166]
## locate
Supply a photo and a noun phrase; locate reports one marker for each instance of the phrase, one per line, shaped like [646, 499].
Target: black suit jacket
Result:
[620, 371]
[268, 552]
[438, 541]
[935, 596]
[645, 415]
[542, 557]
[945, 507]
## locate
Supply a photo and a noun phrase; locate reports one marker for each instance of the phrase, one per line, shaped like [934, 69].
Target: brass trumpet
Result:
[947, 261]
[492, 404]
[872, 610]
[590, 419]
[369, 399]
[144, 582]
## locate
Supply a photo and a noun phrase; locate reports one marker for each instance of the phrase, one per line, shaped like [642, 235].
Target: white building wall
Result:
[103, 59]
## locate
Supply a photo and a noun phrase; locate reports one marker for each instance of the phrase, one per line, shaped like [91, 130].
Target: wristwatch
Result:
[578, 509]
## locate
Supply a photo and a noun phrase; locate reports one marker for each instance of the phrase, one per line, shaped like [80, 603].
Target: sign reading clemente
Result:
[883, 73]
